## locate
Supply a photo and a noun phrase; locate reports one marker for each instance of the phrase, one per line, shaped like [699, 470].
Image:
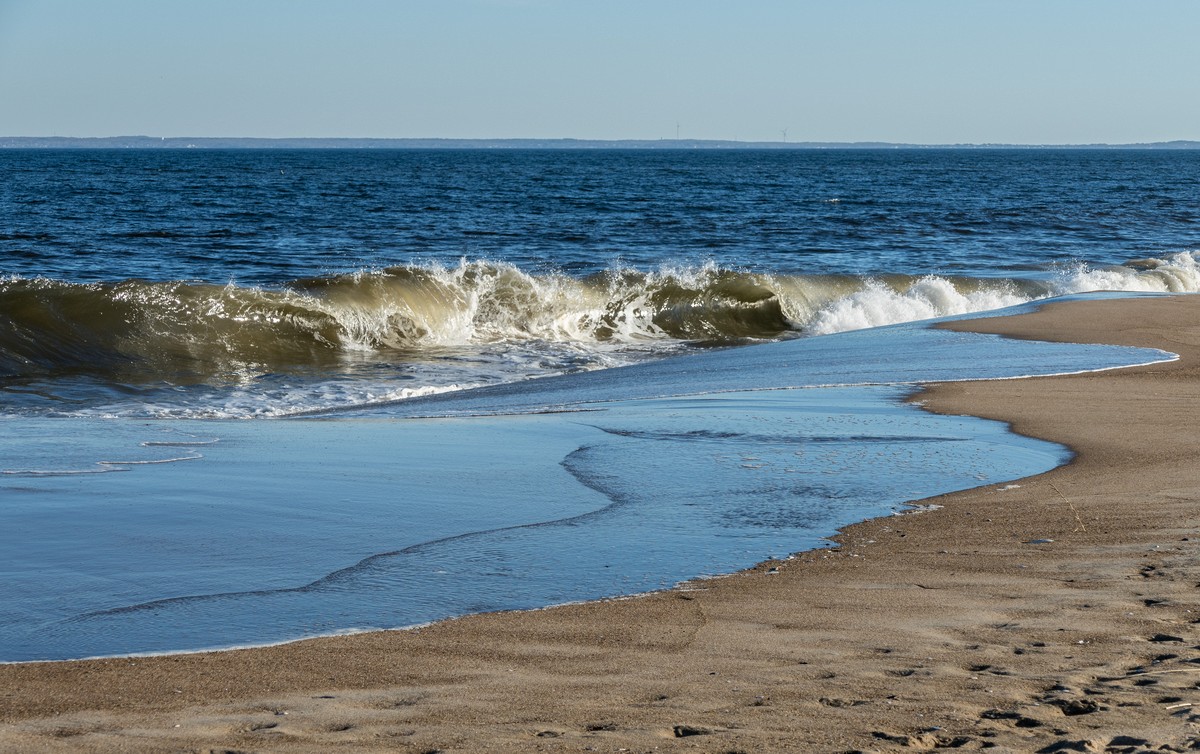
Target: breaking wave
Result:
[883, 302]
[187, 333]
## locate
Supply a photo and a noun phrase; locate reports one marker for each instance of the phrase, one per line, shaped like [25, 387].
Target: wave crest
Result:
[187, 332]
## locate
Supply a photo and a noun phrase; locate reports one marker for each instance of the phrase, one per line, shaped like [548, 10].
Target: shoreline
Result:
[913, 631]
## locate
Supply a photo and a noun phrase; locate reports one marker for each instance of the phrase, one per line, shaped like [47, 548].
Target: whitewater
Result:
[376, 336]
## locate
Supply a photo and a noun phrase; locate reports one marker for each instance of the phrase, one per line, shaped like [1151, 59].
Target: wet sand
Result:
[1054, 615]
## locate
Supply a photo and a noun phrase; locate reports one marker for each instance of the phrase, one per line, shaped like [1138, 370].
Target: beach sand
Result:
[1057, 615]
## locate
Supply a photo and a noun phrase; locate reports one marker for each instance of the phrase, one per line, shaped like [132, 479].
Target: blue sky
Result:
[924, 71]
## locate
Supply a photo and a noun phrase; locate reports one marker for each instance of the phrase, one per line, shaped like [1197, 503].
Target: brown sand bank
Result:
[951, 629]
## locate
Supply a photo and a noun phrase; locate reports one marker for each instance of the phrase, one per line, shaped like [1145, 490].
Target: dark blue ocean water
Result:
[249, 283]
[380, 319]
[269, 217]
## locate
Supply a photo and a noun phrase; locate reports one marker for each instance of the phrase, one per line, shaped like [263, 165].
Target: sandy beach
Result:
[1052, 614]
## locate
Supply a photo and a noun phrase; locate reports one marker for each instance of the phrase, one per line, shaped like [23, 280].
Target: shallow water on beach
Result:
[127, 536]
[247, 397]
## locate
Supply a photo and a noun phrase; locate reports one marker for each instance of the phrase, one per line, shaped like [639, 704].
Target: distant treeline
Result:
[159, 142]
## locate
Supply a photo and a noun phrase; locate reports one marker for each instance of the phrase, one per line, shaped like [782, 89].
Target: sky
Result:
[917, 71]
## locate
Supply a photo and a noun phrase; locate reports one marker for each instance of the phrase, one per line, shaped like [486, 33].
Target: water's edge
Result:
[914, 397]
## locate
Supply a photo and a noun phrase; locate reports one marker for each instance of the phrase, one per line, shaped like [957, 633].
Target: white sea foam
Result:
[880, 303]
[929, 297]
[55, 472]
[299, 401]
[1178, 273]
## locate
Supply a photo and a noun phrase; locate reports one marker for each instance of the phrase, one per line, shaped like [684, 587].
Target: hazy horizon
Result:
[177, 141]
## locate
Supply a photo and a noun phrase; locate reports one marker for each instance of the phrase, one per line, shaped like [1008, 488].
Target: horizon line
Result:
[146, 141]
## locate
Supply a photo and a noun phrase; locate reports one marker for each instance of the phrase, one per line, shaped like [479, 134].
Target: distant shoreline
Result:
[172, 142]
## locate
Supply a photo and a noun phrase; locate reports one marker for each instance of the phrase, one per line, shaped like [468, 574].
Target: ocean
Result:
[254, 396]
